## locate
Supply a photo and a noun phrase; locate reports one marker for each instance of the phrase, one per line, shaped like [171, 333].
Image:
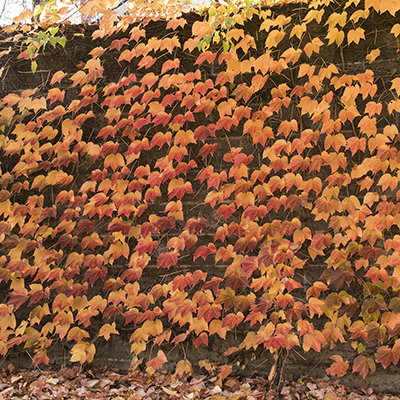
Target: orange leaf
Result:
[57, 77]
[174, 23]
[170, 64]
[396, 30]
[79, 78]
[77, 334]
[339, 367]
[55, 94]
[225, 371]
[274, 38]
[313, 340]
[216, 327]
[244, 92]
[178, 187]
[106, 330]
[114, 161]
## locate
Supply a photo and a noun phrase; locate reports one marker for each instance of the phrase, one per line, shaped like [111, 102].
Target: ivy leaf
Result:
[18, 297]
[354, 35]
[83, 352]
[205, 56]
[363, 365]
[178, 187]
[158, 361]
[339, 367]
[58, 77]
[396, 30]
[77, 334]
[232, 320]
[313, 340]
[202, 339]
[106, 330]
[387, 355]
[373, 55]
[165, 260]
[204, 251]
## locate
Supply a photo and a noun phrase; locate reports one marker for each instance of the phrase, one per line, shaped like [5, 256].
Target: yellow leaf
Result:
[298, 30]
[396, 30]
[373, 54]
[337, 19]
[152, 327]
[216, 327]
[359, 14]
[334, 35]
[314, 14]
[82, 352]
[355, 35]
[274, 38]
[183, 367]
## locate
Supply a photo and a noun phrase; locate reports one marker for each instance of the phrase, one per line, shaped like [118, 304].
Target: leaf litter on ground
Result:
[77, 383]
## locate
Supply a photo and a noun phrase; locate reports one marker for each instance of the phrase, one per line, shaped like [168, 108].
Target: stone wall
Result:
[17, 77]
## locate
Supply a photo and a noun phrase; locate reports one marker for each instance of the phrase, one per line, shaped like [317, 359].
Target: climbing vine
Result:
[190, 197]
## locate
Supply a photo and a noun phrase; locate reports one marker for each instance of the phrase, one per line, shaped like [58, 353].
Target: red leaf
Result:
[203, 132]
[209, 311]
[386, 355]
[207, 55]
[232, 320]
[18, 297]
[202, 339]
[207, 149]
[165, 260]
[117, 44]
[204, 251]
[158, 361]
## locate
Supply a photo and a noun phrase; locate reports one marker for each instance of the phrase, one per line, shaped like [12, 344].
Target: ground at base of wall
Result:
[91, 383]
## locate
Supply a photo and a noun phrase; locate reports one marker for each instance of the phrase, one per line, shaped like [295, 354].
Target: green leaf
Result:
[200, 44]
[53, 31]
[229, 22]
[393, 71]
[62, 40]
[53, 40]
[226, 46]
[33, 66]
[208, 38]
[31, 50]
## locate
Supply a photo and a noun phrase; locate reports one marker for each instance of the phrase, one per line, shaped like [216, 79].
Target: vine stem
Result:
[281, 373]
